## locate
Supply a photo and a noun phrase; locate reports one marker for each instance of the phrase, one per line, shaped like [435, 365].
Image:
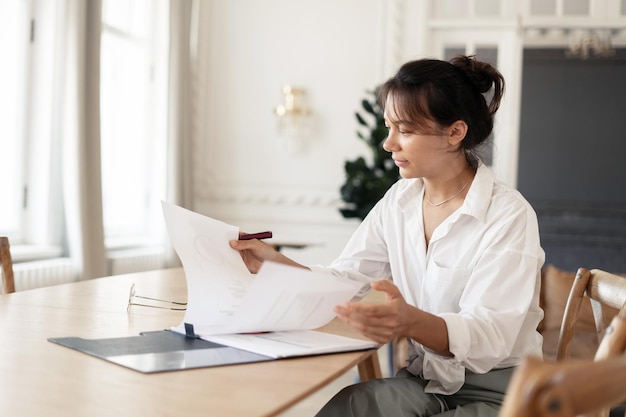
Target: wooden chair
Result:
[607, 293]
[8, 285]
[572, 388]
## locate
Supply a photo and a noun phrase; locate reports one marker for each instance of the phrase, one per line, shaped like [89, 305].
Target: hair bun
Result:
[483, 76]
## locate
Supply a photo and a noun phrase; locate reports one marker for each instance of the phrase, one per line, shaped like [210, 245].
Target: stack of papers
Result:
[272, 312]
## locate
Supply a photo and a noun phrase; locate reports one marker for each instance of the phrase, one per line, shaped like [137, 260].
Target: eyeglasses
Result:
[132, 295]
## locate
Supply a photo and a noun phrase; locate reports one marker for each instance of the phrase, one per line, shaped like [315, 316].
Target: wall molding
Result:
[394, 28]
[269, 196]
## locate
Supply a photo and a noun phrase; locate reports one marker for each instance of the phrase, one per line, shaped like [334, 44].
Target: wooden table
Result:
[39, 378]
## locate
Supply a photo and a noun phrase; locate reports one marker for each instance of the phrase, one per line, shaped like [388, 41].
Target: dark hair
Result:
[428, 91]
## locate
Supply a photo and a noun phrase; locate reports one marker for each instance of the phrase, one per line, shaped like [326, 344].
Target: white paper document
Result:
[291, 343]
[225, 299]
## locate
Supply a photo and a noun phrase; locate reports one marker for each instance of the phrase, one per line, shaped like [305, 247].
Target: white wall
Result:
[335, 49]
[243, 172]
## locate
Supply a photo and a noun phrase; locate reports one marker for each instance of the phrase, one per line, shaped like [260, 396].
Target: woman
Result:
[462, 249]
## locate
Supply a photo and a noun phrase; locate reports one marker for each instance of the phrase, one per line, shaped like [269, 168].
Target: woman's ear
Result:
[457, 132]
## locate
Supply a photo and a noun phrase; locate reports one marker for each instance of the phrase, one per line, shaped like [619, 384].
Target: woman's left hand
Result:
[378, 322]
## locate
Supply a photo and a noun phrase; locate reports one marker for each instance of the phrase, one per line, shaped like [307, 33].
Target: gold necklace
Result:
[447, 199]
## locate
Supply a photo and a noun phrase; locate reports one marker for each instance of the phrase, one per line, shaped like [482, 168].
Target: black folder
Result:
[160, 351]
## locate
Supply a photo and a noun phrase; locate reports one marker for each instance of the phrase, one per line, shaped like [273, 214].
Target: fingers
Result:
[371, 313]
[251, 252]
[261, 249]
[255, 247]
[375, 321]
[388, 287]
[379, 322]
[243, 244]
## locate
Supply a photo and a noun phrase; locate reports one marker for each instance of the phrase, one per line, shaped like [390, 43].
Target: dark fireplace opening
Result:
[572, 156]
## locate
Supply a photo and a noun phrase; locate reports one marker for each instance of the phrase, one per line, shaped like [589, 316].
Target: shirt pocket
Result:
[444, 287]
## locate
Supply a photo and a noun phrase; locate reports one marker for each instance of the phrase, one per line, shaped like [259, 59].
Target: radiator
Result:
[29, 275]
[135, 260]
[36, 274]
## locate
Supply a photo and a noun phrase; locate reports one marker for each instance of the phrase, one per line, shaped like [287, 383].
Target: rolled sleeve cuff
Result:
[444, 375]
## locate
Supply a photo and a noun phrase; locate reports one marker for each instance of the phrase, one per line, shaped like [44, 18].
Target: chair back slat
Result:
[8, 284]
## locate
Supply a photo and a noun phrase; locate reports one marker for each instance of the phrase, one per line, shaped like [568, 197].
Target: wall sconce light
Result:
[294, 117]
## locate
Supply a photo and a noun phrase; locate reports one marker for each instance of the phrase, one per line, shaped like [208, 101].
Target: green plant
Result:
[367, 182]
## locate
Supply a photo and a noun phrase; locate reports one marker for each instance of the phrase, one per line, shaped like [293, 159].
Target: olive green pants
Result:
[403, 395]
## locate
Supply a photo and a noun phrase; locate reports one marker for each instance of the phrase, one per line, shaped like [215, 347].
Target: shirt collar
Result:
[476, 201]
[479, 195]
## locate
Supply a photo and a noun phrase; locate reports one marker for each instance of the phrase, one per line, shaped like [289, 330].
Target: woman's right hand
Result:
[254, 252]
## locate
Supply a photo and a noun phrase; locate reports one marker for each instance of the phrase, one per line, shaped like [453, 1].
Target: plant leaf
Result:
[369, 108]
[361, 120]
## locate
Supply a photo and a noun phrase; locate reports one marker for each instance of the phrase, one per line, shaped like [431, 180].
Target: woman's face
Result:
[417, 154]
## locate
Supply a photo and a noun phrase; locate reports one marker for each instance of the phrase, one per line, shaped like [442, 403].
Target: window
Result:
[133, 118]
[14, 40]
[134, 50]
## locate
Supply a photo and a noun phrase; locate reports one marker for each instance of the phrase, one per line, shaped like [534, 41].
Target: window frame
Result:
[155, 172]
[40, 233]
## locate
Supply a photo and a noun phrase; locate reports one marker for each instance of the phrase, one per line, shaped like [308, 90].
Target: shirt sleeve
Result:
[364, 258]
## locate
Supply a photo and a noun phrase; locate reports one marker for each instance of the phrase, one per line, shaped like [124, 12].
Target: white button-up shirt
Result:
[480, 273]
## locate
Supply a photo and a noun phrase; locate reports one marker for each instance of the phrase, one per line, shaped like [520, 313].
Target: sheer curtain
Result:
[184, 16]
[80, 113]
[80, 126]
